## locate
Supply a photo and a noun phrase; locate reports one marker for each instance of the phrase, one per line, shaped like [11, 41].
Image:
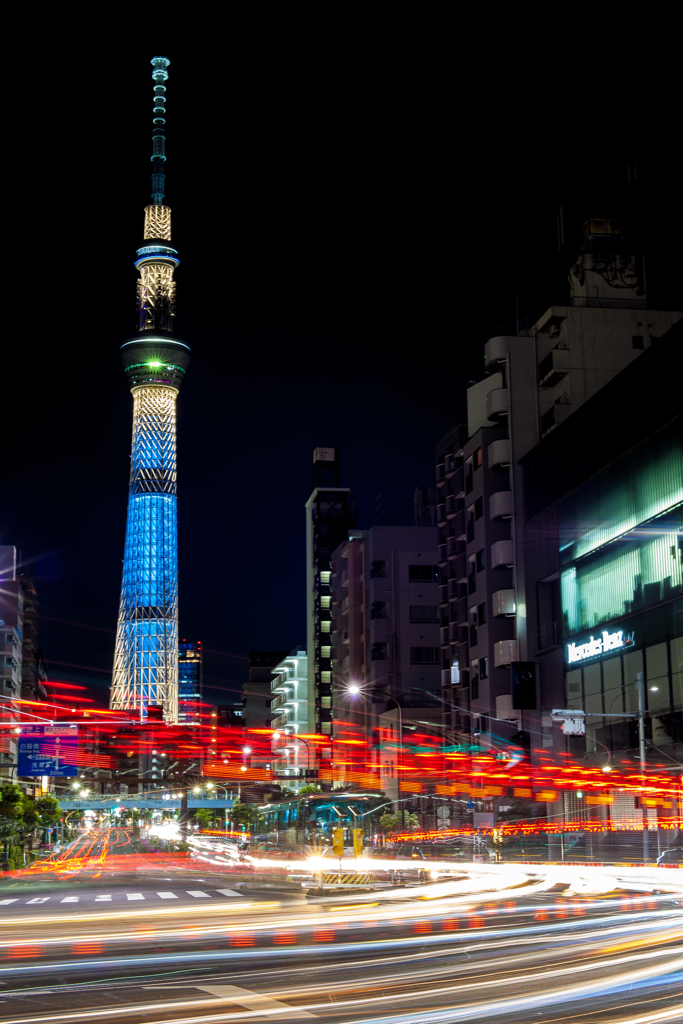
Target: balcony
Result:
[451, 505]
[495, 351]
[460, 525]
[450, 465]
[503, 554]
[461, 569]
[440, 472]
[453, 633]
[452, 588]
[443, 593]
[500, 505]
[459, 482]
[497, 403]
[444, 635]
[504, 604]
[461, 611]
[504, 653]
[453, 545]
[547, 636]
[500, 453]
[441, 513]
[553, 368]
[442, 554]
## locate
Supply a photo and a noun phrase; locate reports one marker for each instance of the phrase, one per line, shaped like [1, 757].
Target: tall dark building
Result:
[189, 682]
[330, 513]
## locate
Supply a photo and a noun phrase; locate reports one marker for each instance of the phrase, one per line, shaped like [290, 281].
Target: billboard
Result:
[47, 750]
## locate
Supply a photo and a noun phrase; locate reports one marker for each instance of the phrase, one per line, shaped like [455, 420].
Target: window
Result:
[481, 560]
[470, 523]
[471, 575]
[423, 572]
[379, 610]
[380, 652]
[481, 614]
[468, 478]
[477, 458]
[479, 508]
[424, 613]
[378, 571]
[637, 340]
[473, 627]
[474, 683]
[483, 668]
[424, 655]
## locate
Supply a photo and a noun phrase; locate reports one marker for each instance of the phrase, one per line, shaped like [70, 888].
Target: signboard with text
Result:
[598, 644]
[48, 750]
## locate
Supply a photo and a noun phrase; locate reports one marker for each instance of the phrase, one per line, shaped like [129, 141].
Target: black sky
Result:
[354, 222]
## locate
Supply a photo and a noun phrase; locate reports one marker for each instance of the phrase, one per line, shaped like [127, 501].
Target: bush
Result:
[310, 788]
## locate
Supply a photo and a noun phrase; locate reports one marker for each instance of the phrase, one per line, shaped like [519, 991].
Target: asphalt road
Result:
[521, 949]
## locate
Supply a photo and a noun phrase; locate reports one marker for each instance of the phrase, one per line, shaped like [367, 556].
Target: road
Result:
[513, 947]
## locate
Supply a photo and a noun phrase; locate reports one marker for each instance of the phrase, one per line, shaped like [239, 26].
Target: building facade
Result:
[12, 637]
[189, 682]
[293, 753]
[385, 607]
[330, 512]
[146, 652]
[496, 609]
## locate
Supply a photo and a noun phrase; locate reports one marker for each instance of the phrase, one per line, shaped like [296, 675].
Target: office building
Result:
[385, 608]
[146, 652]
[11, 635]
[189, 682]
[330, 512]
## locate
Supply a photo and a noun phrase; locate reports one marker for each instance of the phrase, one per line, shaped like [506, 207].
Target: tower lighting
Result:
[155, 362]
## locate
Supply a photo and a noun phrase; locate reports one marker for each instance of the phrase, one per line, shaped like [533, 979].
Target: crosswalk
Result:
[124, 896]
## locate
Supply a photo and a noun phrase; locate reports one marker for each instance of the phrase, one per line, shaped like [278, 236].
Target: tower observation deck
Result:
[155, 362]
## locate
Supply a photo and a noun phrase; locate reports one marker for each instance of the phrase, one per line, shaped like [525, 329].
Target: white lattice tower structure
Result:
[146, 654]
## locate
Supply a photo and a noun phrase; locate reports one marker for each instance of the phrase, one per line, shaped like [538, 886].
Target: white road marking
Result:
[134, 896]
[254, 1001]
[70, 899]
[103, 899]
[39, 899]
[274, 1008]
[195, 892]
[167, 895]
[229, 892]
[5, 902]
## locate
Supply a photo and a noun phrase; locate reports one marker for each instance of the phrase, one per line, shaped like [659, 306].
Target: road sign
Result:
[50, 750]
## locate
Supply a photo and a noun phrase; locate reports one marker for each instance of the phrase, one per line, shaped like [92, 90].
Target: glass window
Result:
[657, 663]
[592, 689]
[633, 664]
[573, 683]
[423, 572]
[677, 670]
[611, 682]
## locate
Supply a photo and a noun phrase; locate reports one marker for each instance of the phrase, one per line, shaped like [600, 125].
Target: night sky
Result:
[354, 222]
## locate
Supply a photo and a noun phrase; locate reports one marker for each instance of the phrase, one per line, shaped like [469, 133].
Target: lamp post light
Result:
[354, 690]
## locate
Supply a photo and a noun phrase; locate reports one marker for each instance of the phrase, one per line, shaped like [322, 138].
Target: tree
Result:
[309, 788]
[394, 822]
[204, 817]
[49, 810]
[11, 801]
[242, 814]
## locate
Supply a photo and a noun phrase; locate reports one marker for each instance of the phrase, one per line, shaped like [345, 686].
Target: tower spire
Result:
[155, 362]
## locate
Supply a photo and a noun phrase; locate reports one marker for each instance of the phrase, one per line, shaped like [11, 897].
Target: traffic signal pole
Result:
[640, 688]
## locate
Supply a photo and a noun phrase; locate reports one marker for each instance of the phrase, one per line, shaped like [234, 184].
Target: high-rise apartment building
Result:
[294, 755]
[33, 667]
[189, 682]
[11, 637]
[496, 609]
[155, 362]
[330, 512]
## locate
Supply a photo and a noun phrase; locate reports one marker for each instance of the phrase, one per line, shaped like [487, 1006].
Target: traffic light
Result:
[358, 836]
[523, 685]
[338, 842]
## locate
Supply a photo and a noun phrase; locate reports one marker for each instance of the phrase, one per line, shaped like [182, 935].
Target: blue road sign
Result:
[48, 750]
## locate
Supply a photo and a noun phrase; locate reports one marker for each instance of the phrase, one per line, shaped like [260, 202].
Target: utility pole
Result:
[641, 745]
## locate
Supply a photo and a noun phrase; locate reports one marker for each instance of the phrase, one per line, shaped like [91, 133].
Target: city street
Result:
[520, 949]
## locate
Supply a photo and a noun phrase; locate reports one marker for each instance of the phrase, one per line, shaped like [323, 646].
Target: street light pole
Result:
[640, 688]
[354, 690]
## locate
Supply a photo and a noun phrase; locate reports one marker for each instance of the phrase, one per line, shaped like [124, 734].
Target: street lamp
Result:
[354, 690]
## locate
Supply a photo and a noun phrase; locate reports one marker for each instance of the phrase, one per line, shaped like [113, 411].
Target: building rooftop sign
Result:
[598, 645]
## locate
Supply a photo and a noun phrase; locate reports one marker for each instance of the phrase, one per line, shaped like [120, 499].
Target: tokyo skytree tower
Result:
[146, 656]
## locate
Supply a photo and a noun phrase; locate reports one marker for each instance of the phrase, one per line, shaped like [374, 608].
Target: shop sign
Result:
[598, 645]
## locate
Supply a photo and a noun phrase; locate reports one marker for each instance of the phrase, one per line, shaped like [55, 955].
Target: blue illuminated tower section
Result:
[146, 656]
